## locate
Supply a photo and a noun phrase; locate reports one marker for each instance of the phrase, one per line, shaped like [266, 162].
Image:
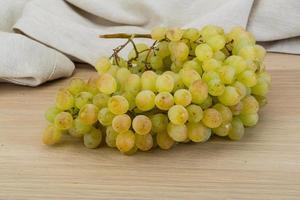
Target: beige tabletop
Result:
[265, 164]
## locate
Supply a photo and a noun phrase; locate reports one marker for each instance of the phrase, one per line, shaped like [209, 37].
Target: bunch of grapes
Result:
[186, 86]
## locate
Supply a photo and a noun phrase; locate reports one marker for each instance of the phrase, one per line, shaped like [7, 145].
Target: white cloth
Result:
[56, 31]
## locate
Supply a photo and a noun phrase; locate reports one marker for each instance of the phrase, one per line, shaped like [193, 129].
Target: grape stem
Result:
[125, 36]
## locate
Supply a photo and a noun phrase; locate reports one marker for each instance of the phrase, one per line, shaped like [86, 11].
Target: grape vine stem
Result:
[125, 35]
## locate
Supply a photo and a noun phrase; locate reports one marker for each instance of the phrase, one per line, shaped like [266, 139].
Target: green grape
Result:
[260, 52]
[262, 101]
[188, 76]
[237, 62]
[82, 99]
[164, 83]
[216, 42]
[113, 70]
[156, 62]
[224, 111]
[76, 86]
[92, 139]
[140, 47]
[64, 100]
[234, 33]
[250, 105]
[107, 84]
[195, 113]
[199, 91]
[203, 52]
[240, 43]
[133, 83]
[261, 88]
[177, 114]
[132, 151]
[179, 51]
[237, 129]
[249, 119]
[164, 100]
[191, 34]
[211, 65]
[265, 76]
[175, 68]
[79, 129]
[215, 87]
[182, 97]
[118, 104]
[177, 132]
[51, 113]
[197, 132]
[193, 64]
[158, 33]
[248, 78]
[210, 30]
[163, 49]
[241, 89]
[125, 141]
[141, 124]
[164, 141]
[88, 114]
[219, 55]
[100, 100]
[230, 96]
[222, 130]
[122, 75]
[247, 52]
[51, 135]
[103, 65]
[144, 142]
[145, 100]
[206, 103]
[237, 108]
[210, 75]
[111, 137]
[174, 34]
[63, 121]
[226, 74]
[148, 80]
[251, 65]
[130, 98]
[212, 118]
[178, 84]
[121, 123]
[92, 84]
[159, 122]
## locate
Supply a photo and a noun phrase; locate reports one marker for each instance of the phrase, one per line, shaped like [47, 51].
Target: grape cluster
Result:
[188, 85]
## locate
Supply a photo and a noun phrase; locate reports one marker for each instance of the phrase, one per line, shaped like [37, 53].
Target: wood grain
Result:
[264, 165]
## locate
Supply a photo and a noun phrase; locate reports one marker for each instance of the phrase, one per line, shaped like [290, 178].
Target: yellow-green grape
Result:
[240, 43]
[107, 84]
[92, 139]
[188, 76]
[237, 108]
[133, 83]
[195, 113]
[215, 87]
[237, 62]
[111, 137]
[158, 33]
[237, 129]
[156, 62]
[192, 64]
[83, 98]
[132, 151]
[79, 129]
[92, 84]
[182, 97]
[148, 80]
[230, 96]
[222, 130]
[212, 118]
[261, 88]
[241, 89]
[140, 47]
[216, 42]
[51, 135]
[76, 86]
[51, 113]
[260, 52]
[64, 100]
[63, 121]
[113, 70]
[125, 141]
[203, 52]
[177, 132]
[219, 55]
[121, 123]
[250, 105]
[163, 49]
[100, 100]
[262, 101]
[247, 52]
[88, 114]
[122, 75]
[191, 34]
[175, 68]
[197, 132]
[211, 65]
[224, 111]
[144, 142]
[145, 100]
[164, 83]
[179, 51]
[159, 122]
[249, 119]
[164, 141]
[177, 114]
[118, 104]
[206, 103]
[248, 78]
[265, 76]
[141, 124]
[174, 34]
[199, 91]
[130, 98]
[226, 74]
[164, 100]
[210, 30]
[234, 33]
[178, 84]
[210, 75]
[103, 65]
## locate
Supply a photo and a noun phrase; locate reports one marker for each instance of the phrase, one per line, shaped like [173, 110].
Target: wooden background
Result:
[264, 165]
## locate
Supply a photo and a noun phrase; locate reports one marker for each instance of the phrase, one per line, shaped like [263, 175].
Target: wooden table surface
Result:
[265, 164]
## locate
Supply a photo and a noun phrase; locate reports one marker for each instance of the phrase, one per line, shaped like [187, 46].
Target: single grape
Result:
[121, 123]
[159, 122]
[111, 136]
[249, 119]
[182, 97]
[226, 74]
[248, 78]
[179, 51]
[76, 86]
[237, 129]
[174, 34]
[156, 62]
[195, 113]
[222, 130]
[88, 114]
[63, 121]
[51, 113]
[197, 132]
[191, 34]
[224, 111]
[241, 89]
[237, 62]
[145, 100]
[237, 108]
[105, 117]
[164, 141]
[79, 128]
[260, 52]
[210, 75]
[125, 141]
[64, 100]
[100, 100]
[177, 114]
[211, 65]
[262, 101]
[219, 55]
[133, 83]
[141, 124]
[177, 132]
[178, 84]
[130, 98]
[158, 33]
[107, 84]
[163, 49]
[103, 65]
[250, 105]
[92, 139]
[144, 142]
[247, 52]
[82, 99]
[212, 118]
[148, 80]
[199, 91]
[230, 96]
[203, 52]
[92, 84]
[215, 87]
[188, 76]
[51, 135]
[164, 100]
[216, 42]
[265, 76]
[122, 75]
[118, 104]
[193, 64]
[210, 30]
[207, 103]
[261, 88]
